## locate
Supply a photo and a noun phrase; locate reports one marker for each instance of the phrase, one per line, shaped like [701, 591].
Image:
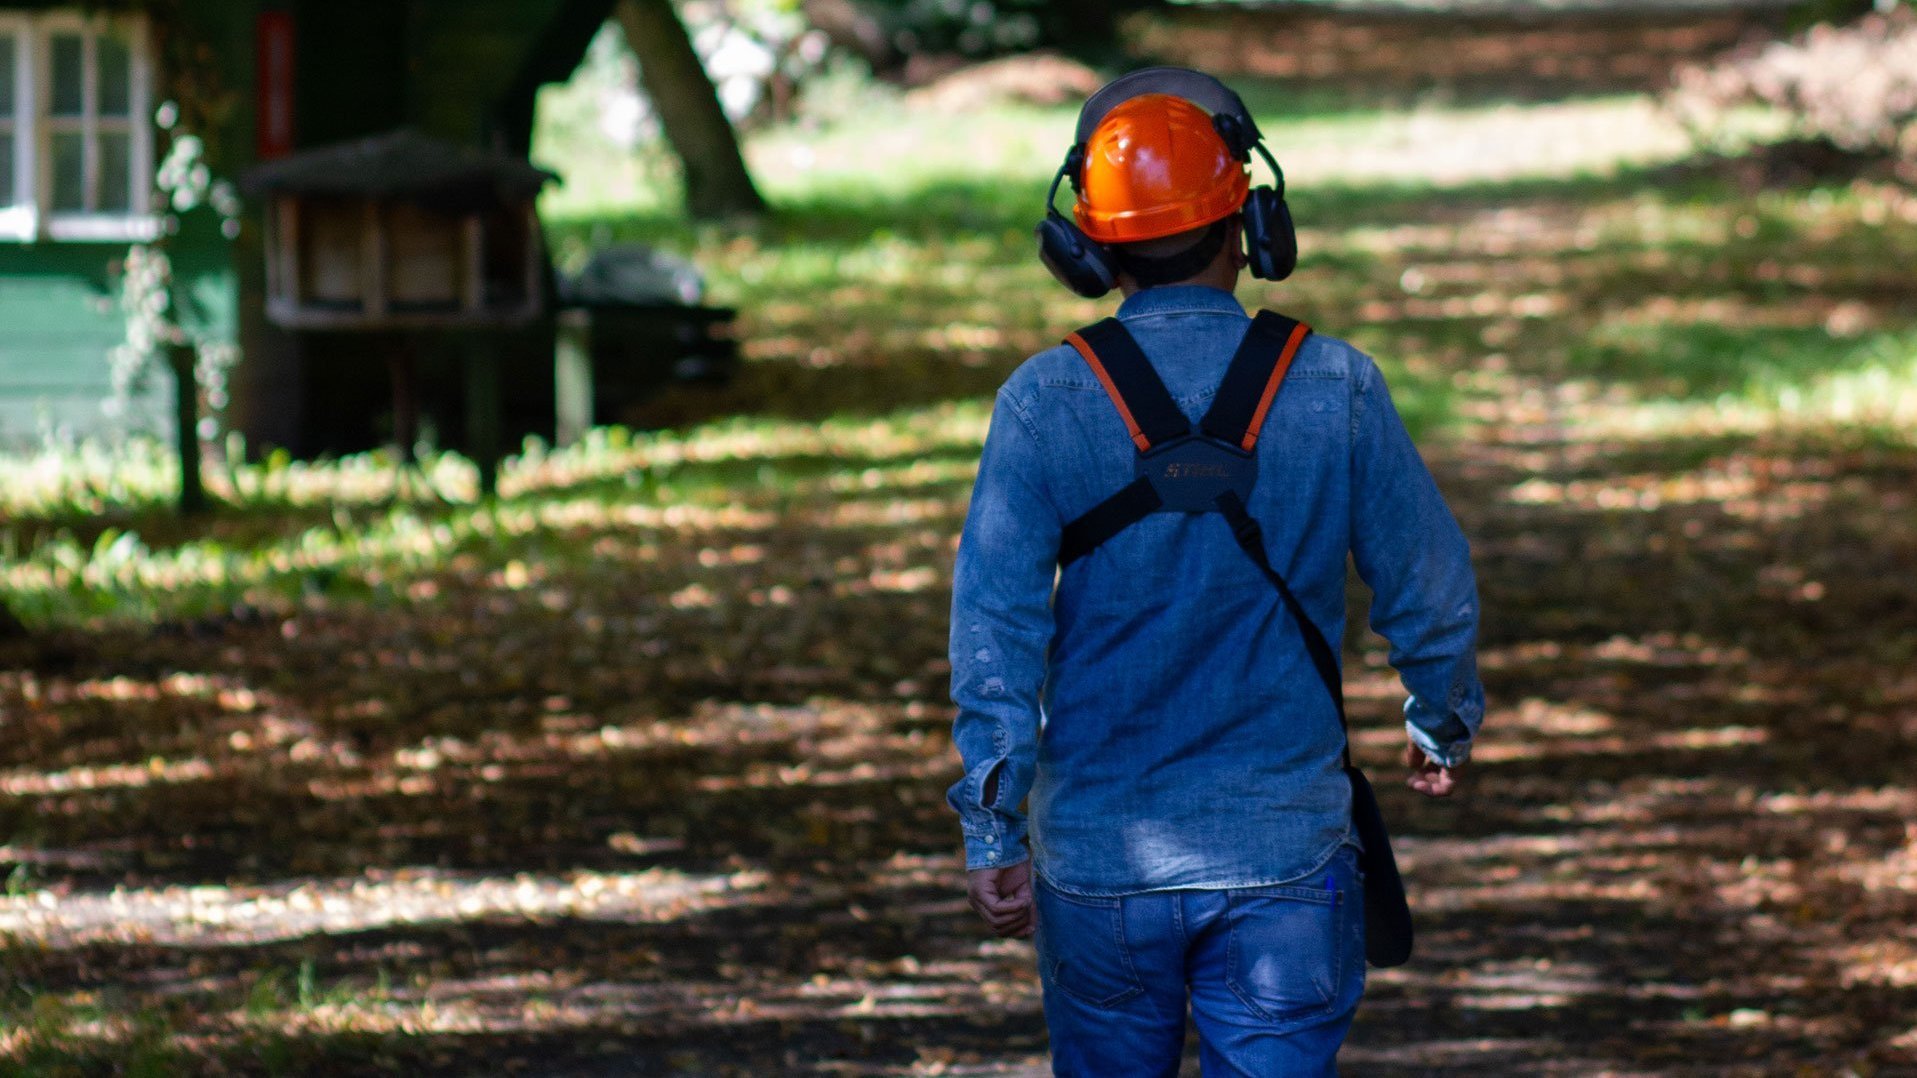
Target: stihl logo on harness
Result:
[1181, 470]
[1214, 470]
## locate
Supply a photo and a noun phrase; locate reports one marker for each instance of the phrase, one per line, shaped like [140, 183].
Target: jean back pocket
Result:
[1285, 958]
[1081, 947]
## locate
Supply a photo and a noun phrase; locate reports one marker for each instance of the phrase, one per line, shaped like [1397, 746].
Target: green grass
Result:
[53, 1035]
[322, 541]
[83, 1032]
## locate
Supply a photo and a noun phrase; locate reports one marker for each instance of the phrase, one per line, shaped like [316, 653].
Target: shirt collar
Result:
[1181, 298]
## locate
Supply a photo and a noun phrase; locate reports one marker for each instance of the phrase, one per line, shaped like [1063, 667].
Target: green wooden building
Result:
[254, 80]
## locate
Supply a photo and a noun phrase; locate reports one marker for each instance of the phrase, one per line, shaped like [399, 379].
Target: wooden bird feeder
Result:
[401, 231]
[405, 232]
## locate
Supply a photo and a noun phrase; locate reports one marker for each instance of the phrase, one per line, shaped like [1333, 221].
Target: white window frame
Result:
[27, 214]
[17, 217]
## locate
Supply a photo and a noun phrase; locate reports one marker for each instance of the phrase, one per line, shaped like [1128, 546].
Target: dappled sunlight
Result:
[1668, 649]
[1524, 985]
[854, 514]
[540, 1001]
[233, 916]
[109, 480]
[104, 777]
[808, 776]
[1456, 145]
[560, 514]
[613, 454]
[1557, 720]
[895, 480]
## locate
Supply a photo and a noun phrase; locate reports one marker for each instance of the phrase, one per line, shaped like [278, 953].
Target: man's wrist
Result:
[1018, 858]
[999, 847]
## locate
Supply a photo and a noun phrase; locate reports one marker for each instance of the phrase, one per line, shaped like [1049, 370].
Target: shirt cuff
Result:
[1446, 755]
[994, 843]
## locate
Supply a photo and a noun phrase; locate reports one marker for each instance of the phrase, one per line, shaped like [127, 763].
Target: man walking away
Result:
[1153, 558]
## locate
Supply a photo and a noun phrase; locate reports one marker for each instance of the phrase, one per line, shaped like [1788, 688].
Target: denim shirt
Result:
[1155, 699]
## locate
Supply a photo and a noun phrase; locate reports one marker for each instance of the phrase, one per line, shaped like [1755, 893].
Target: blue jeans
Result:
[1274, 975]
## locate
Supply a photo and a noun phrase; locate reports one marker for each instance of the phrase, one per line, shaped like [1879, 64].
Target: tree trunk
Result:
[11, 628]
[717, 183]
[186, 414]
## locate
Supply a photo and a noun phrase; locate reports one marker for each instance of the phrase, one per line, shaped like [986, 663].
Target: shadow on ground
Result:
[676, 805]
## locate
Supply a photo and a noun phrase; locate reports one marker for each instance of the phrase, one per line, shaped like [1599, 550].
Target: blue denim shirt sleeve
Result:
[1411, 552]
[1001, 629]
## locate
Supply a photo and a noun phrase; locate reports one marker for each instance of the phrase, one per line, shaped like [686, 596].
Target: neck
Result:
[1221, 275]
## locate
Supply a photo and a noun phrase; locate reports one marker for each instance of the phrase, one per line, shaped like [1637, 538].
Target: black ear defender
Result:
[1271, 241]
[1080, 263]
[1088, 267]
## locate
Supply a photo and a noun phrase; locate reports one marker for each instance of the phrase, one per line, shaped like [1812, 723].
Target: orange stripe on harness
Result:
[1138, 436]
[1298, 334]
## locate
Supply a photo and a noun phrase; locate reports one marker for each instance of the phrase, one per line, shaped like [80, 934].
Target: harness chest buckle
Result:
[1190, 473]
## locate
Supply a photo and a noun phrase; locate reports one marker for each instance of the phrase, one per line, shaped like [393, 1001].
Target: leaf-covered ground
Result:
[640, 770]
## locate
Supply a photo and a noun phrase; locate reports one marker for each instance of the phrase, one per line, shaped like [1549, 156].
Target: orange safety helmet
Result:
[1160, 151]
[1156, 166]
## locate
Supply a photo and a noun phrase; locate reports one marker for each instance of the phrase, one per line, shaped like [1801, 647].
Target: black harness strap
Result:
[1150, 414]
[1133, 503]
[1389, 933]
[1257, 369]
[1251, 539]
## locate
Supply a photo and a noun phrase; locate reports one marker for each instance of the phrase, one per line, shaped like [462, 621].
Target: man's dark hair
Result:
[1175, 257]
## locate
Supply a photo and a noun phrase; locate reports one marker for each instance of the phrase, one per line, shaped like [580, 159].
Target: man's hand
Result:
[1429, 777]
[1003, 896]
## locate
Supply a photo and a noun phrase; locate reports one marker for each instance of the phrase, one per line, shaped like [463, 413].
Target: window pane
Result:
[9, 52]
[6, 168]
[116, 74]
[116, 172]
[69, 172]
[69, 97]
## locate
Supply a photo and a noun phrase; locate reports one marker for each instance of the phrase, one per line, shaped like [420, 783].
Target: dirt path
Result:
[676, 809]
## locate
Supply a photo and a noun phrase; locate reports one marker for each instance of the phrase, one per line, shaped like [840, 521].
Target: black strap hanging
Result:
[1388, 930]
[1251, 539]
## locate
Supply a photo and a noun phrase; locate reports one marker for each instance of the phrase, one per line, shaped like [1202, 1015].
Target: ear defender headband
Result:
[1090, 268]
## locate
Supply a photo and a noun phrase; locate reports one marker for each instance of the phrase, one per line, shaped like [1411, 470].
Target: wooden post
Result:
[482, 409]
[403, 371]
[572, 376]
[372, 253]
[186, 417]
